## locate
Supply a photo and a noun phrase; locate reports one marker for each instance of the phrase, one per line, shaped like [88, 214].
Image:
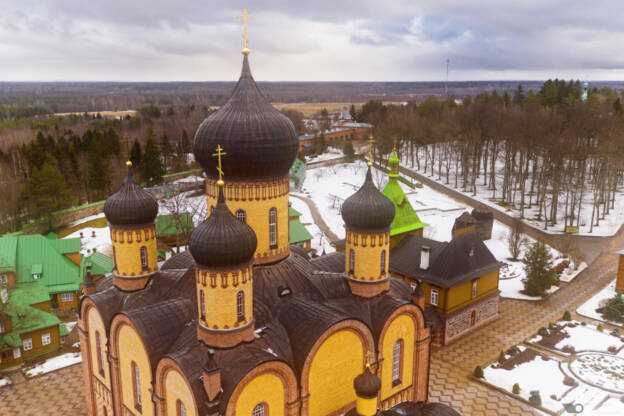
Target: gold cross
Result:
[370, 150]
[245, 17]
[126, 140]
[219, 153]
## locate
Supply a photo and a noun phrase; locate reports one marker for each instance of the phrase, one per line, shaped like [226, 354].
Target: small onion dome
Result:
[483, 213]
[260, 141]
[368, 209]
[222, 240]
[131, 204]
[394, 159]
[367, 384]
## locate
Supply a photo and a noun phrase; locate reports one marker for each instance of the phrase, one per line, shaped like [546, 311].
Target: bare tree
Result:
[177, 204]
[515, 238]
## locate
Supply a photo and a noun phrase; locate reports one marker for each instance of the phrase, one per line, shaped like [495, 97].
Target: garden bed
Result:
[571, 337]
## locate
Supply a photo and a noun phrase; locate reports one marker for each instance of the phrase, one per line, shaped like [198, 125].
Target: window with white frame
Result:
[241, 215]
[240, 306]
[434, 297]
[258, 410]
[27, 344]
[273, 228]
[181, 408]
[67, 297]
[396, 361]
[474, 288]
[36, 276]
[46, 339]
[3, 279]
[144, 257]
[17, 353]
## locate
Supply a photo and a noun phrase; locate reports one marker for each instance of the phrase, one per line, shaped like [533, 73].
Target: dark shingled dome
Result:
[260, 141]
[131, 204]
[222, 240]
[368, 209]
[367, 384]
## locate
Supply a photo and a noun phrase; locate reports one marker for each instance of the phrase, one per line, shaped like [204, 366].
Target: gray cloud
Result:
[320, 40]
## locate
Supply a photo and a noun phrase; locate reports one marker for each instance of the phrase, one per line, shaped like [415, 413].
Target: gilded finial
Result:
[245, 17]
[219, 153]
[368, 359]
[129, 163]
[370, 151]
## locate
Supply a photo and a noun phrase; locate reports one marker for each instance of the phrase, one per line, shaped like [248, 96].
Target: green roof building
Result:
[297, 233]
[406, 220]
[297, 173]
[174, 229]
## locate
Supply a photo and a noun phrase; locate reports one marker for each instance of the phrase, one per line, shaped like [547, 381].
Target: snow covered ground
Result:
[588, 309]
[4, 381]
[319, 241]
[331, 153]
[94, 238]
[329, 186]
[607, 227]
[53, 364]
[580, 338]
[70, 325]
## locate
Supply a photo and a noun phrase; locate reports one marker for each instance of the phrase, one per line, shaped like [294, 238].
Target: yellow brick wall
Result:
[221, 302]
[334, 367]
[131, 349]
[619, 282]
[128, 254]
[177, 389]
[367, 249]
[267, 389]
[95, 323]
[402, 327]
[257, 212]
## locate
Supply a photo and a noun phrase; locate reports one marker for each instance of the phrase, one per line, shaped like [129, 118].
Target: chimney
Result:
[418, 296]
[424, 258]
[211, 377]
[88, 286]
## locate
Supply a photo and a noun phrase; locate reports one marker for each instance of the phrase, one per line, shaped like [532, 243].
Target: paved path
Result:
[318, 219]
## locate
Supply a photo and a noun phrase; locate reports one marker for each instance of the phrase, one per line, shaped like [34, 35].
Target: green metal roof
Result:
[293, 212]
[298, 232]
[51, 235]
[8, 252]
[405, 218]
[166, 224]
[298, 170]
[67, 245]
[100, 264]
[24, 317]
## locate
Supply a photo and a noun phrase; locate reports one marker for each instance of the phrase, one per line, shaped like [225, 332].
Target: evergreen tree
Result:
[166, 150]
[538, 266]
[352, 111]
[151, 167]
[348, 151]
[614, 308]
[46, 191]
[98, 171]
[617, 105]
[319, 143]
[184, 145]
[136, 153]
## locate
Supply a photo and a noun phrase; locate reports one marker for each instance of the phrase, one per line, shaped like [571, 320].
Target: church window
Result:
[144, 257]
[259, 410]
[397, 355]
[434, 297]
[351, 261]
[383, 261]
[136, 385]
[202, 302]
[474, 288]
[181, 409]
[240, 306]
[100, 353]
[273, 228]
[241, 215]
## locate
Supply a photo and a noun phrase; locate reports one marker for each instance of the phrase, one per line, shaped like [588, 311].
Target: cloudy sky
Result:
[363, 40]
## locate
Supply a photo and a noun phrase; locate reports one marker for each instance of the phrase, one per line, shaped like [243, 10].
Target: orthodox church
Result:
[243, 323]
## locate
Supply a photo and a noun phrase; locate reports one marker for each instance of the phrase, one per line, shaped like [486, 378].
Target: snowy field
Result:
[607, 226]
[53, 364]
[569, 337]
[588, 309]
[94, 238]
[329, 186]
[330, 154]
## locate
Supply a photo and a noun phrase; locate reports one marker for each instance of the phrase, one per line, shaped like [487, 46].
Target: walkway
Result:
[318, 219]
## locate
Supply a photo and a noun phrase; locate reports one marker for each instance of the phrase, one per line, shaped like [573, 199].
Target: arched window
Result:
[397, 358]
[100, 353]
[180, 408]
[202, 304]
[383, 261]
[351, 261]
[273, 228]
[259, 410]
[143, 257]
[241, 215]
[136, 385]
[240, 306]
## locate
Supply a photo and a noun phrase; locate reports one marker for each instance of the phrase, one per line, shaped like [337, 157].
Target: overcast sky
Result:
[363, 40]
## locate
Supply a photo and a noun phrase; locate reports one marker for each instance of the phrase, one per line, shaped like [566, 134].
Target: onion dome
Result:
[222, 240]
[261, 142]
[367, 384]
[394, 158]
[368, 209]
[130, 205]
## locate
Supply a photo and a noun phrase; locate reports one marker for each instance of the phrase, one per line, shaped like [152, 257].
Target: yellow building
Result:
[243, 323]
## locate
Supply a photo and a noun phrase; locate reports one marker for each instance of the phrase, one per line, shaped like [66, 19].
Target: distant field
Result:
[102, 113]
[311, 109]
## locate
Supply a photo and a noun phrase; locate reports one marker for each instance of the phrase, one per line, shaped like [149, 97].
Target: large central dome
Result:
[260, 141]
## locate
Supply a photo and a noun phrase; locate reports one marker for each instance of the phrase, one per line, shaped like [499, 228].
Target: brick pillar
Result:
[115, 383]
[421, 367]
[86, 368]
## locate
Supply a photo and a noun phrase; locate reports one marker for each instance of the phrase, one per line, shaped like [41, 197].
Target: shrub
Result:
[501, 357]
[538, 266]
[535, 399]
[615, 332]
[516, 388]
[569, 349]
[599, 327]
[612, 349]
[614, 308]
[583, 323]
[512, 350]
[478, 372]
[567, 316]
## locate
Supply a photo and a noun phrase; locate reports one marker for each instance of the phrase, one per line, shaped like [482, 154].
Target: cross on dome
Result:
[219, 169]
[245, 17]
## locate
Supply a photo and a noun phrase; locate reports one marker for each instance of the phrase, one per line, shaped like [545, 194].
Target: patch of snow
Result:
[53, 364]
[588, 338]
[331, 153]
[86, 219]
[270, 351]
[76, 345]
[319, 240]
[4, 381]
[191, 178]
[606, 371]
[588, 308]
[101, 242]
[70, 325]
